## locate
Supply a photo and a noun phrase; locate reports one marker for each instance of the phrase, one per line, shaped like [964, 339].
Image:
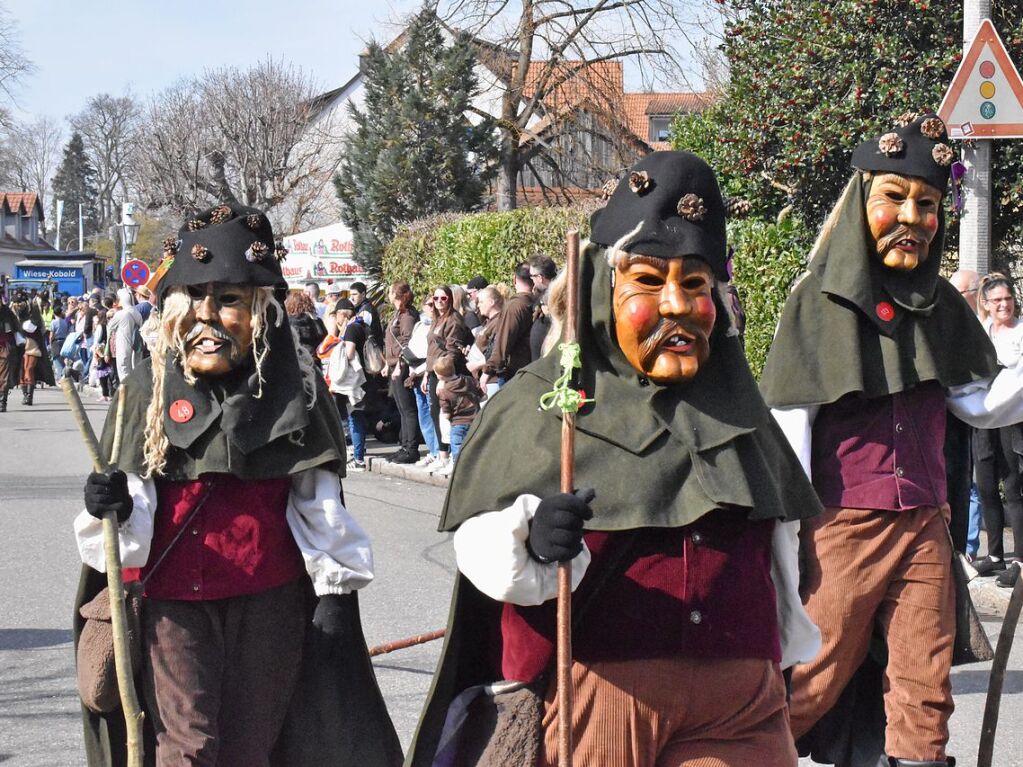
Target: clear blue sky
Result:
[84, 47]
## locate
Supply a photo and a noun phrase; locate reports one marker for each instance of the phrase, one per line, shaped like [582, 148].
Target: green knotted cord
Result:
[563, 395]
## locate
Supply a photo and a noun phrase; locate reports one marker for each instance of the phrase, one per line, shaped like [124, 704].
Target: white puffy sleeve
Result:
[336, 550]
[490, 550]
[797, 424]
[991, 403]
[800, 638]
[135, 534]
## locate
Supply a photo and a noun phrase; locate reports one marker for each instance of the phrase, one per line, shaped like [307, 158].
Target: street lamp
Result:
[129, 231]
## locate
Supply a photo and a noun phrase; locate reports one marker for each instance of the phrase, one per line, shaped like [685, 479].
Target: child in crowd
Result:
[459, 396]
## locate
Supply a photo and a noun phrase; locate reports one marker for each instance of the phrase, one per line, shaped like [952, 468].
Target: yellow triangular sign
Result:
[985, 99]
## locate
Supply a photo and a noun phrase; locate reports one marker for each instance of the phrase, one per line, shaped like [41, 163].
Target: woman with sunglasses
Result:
[998, 453]
[447, 336]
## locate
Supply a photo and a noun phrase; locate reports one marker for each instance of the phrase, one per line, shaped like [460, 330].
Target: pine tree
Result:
[75, 184]
[412, 151]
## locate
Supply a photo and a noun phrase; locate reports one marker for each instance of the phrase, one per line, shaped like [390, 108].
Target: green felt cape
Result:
[833, 338]
[658, 456]
[305, 438]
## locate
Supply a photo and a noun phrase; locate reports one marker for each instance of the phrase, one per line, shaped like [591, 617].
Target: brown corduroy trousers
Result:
[674, 712]
[218, 675]
[890, 569]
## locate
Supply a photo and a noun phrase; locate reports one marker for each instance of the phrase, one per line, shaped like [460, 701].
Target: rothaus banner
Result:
[322, 255]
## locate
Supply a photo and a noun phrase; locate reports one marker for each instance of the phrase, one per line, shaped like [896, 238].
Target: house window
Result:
[660, 127]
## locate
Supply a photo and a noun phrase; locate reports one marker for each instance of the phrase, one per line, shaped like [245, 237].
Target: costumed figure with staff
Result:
[10, 351]
[873, 349]
[682, 534]
[33, 350]
[232, 517]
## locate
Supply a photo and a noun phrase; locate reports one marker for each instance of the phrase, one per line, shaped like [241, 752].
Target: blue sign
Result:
[69, 279]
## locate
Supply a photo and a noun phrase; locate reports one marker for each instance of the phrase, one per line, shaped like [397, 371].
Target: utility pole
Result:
[975, 224]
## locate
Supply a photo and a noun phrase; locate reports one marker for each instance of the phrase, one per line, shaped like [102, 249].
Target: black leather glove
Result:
[108, 492]
[333, 614]
[556, 532]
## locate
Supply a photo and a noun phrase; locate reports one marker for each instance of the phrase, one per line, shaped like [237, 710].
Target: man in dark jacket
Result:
[511, 340]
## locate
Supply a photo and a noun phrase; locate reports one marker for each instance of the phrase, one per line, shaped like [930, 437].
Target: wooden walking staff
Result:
[565, 397]
[133, 714]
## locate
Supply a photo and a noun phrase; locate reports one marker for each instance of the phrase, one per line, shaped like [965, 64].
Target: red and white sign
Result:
[135, 273]
[985, 99]
[323, 255]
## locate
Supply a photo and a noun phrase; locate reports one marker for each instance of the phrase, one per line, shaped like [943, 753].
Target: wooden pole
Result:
[133, 714]
[985, 753]
[570, 335]
[401, 644]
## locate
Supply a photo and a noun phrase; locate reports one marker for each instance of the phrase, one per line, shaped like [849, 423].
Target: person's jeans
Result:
[85, 355]
[426, 421]
[458, 432]
[973, 531]
[357, 427]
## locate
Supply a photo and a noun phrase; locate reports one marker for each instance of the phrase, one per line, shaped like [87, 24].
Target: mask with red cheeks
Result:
[664, 315]
[218, 330]
[903, 217]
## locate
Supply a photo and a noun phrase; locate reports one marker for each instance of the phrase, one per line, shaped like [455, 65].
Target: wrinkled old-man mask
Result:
[902, 213]
[664, 314]
[218, 329]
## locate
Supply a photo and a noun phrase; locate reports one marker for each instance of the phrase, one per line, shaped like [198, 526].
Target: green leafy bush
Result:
[768, 259]
[454, 248]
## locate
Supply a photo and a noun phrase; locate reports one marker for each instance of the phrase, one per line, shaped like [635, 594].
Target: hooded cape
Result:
[657, 457]
[834, 338]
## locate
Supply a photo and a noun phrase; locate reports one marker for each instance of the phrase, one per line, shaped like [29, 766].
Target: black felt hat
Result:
[672, 201]
[916, 146]
[229, 243]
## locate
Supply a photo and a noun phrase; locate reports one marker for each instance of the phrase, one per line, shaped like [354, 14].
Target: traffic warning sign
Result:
[985, 99]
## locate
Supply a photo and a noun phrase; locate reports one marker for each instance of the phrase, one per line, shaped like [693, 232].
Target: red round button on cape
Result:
[885, 311]
[181, 411]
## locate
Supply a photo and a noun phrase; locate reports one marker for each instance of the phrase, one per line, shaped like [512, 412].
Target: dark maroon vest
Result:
[237, 543]
[882, 453]
[703, 590]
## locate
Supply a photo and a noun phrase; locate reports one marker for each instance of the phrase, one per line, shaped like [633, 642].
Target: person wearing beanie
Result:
[873, 349]
[231, 517]
[682, 535]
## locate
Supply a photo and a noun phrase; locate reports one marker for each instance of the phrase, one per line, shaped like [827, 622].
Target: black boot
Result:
[24, 394]
[31, 392]
[3, 400]
[891, 761]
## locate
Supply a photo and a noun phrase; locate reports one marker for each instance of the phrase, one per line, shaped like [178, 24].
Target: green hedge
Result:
[454, 248]
[768, 259]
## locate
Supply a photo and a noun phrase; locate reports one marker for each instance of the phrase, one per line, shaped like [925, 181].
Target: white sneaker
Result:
[426, 460]
[446, 469]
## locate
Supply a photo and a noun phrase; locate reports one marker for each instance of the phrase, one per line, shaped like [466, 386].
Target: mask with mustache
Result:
[664, 315]
[221, 337]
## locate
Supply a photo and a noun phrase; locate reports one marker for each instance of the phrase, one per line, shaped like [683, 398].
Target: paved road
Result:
[42, 466]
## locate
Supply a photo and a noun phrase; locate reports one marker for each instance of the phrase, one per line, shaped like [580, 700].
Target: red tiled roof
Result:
[23, 201]
[574, 82]
[640, 106]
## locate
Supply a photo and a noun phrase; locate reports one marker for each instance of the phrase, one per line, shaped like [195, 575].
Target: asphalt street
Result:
[42, 469]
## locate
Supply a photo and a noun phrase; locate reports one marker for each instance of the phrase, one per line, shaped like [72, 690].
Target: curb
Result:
[378, 465]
